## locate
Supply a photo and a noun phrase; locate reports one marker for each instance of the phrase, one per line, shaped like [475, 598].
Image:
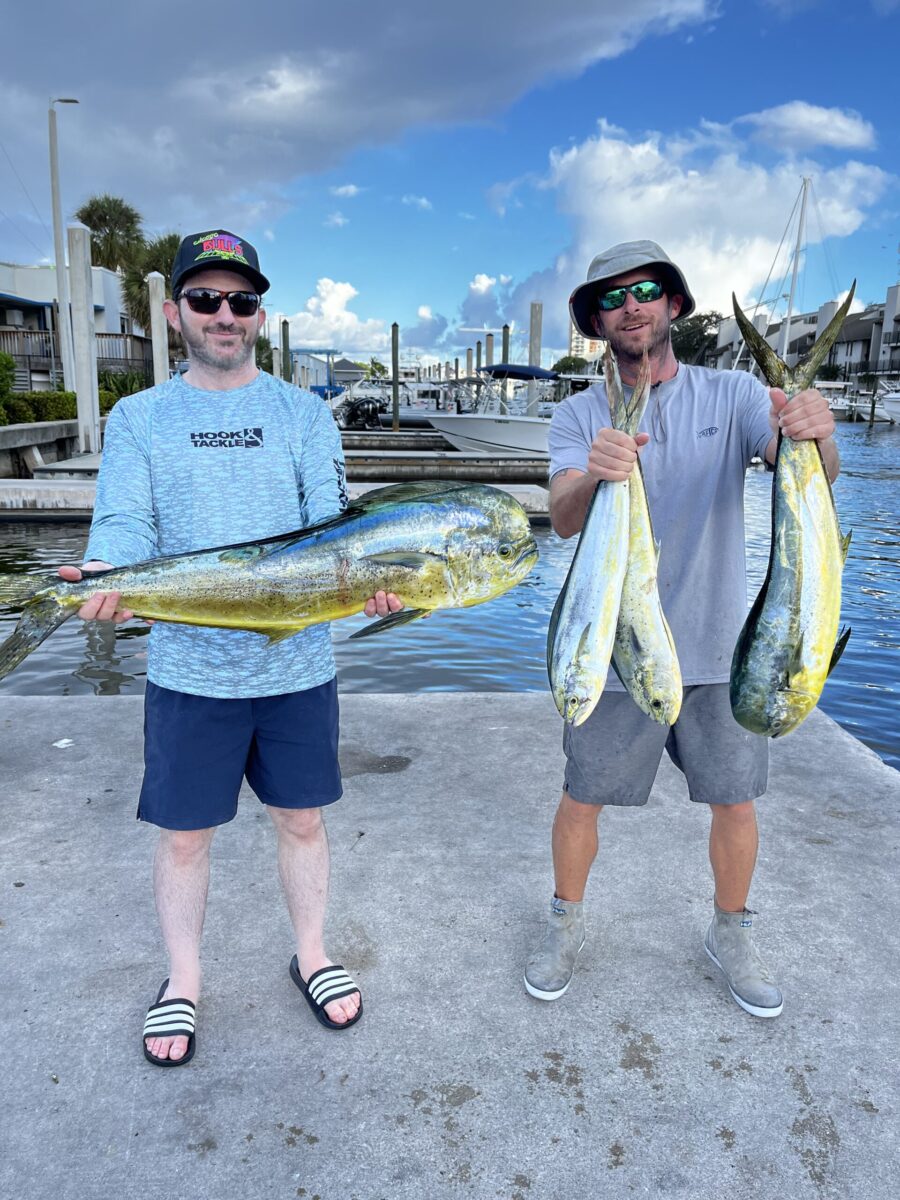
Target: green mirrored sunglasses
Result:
[644, 291]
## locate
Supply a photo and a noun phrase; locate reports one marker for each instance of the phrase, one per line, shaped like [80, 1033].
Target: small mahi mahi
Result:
[789, 643]
[436, 544]
[643, 656]
[583, 623]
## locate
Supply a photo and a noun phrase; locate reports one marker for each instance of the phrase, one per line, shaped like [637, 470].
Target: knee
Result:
[301, 823]
[185, 846]
[575, 814]
[735, 816]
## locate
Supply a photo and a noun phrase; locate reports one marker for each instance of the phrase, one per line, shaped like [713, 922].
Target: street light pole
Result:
[66, 352]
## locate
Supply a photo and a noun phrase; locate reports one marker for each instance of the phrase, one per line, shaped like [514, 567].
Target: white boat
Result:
[890, 402]
[501, 426]
[494, 434]
[859, 408]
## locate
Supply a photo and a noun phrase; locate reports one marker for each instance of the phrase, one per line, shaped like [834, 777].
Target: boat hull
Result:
[497, 436]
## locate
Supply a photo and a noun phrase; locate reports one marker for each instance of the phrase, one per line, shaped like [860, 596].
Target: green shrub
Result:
[123, 383]
[52, 406]
[18, 410]
[107, 400]
[7, 374]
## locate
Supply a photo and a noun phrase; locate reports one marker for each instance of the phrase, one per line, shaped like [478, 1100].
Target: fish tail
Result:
[41, 616]
[770, 364]
[806, 368]
[615, 395]
[16, 590]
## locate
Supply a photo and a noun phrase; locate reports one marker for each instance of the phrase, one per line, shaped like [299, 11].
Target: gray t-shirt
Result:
[705, 426]
[185, 469]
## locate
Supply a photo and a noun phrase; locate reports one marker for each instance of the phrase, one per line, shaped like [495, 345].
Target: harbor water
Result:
[500, 646]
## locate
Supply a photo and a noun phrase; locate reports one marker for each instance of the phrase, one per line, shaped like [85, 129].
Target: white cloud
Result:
[800, 126]
[482, 283]
[505, 280]
[417, 201]
[466, 216]
[346, 189]
[328, 322]
[336, 220]
[160, 128]
[719, 214]
[424, 312]
[269, 235]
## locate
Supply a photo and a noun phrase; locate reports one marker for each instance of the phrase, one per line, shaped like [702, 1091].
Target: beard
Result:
[220, 358]
[629, 350]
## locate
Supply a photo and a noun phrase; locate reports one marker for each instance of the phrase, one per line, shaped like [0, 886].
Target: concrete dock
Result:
[644, 1080]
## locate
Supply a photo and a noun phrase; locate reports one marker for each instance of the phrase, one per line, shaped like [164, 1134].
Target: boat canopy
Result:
[516, 371]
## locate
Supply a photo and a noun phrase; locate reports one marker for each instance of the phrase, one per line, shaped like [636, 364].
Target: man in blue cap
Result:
[224, 454]
[700, 431]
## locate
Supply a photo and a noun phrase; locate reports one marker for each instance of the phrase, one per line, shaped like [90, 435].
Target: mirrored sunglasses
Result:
[644, 291]
[209, 301]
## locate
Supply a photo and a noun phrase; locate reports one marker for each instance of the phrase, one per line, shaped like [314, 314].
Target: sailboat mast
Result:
[786, 326]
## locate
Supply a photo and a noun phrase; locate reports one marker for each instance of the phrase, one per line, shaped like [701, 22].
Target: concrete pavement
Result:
[644, 1080]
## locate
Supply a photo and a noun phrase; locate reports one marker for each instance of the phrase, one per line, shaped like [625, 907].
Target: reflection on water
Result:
[500, 646]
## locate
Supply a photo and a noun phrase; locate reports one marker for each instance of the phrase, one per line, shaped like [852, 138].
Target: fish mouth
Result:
[529, 551]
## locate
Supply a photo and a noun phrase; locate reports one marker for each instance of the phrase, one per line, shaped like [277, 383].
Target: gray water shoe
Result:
[549, 970]
[729, 943]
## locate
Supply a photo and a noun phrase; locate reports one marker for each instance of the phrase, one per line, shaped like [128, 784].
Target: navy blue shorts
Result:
[197, 750]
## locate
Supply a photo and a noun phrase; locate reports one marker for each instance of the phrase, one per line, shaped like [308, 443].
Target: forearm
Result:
[570, 497]
[830, 457]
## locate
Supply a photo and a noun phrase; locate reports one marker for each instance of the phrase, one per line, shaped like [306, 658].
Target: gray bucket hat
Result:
[619, 260]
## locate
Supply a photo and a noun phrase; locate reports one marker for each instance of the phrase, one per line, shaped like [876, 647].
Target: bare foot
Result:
[340, 1011]
[173, 1047]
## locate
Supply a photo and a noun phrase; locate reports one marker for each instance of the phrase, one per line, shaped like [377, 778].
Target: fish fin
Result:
[403, 558]
[584, 641]
[242, 554]
[805, 371]
[16, 590]
[840, 647]
[770, 364]
[40, 617]
[398, 618]
[845, 545]
[795, 665]
[636, 643]
[551, 629]
[278, 633]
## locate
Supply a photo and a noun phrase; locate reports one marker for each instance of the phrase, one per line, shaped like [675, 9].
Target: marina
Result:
[500, 646]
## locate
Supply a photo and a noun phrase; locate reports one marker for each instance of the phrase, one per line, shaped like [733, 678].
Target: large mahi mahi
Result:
[789, 643]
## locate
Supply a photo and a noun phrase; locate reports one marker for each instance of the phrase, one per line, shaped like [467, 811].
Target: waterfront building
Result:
[589, 349]
[28, 326]
[867, 348]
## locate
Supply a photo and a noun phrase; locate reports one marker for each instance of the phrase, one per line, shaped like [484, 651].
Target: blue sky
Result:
[445, 168]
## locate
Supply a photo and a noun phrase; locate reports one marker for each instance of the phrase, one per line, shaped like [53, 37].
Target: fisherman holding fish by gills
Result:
[699, 432]
[222, 703]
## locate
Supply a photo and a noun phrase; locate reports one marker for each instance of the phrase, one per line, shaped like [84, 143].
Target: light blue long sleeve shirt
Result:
[185, 469]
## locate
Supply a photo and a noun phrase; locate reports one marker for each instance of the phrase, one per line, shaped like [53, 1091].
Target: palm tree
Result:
[115, 227]
[157, 254]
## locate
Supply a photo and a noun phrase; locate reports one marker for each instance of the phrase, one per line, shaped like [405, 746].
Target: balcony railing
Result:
[38, 350]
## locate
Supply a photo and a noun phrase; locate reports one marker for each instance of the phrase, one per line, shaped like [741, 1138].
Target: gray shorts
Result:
[613, 757]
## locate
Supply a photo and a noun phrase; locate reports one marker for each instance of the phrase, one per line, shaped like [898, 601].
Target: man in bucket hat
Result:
[220, 455]
[700, 430]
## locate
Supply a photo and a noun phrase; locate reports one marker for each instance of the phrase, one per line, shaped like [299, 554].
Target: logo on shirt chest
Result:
[226, 439]
[710, 431]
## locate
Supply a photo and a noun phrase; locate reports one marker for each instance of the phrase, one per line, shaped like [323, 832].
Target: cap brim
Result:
[259, 281]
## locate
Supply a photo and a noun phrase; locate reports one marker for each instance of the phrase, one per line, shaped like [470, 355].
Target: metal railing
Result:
[37, 350]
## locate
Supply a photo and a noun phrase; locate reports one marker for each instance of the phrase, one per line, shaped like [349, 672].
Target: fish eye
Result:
[505, 550]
